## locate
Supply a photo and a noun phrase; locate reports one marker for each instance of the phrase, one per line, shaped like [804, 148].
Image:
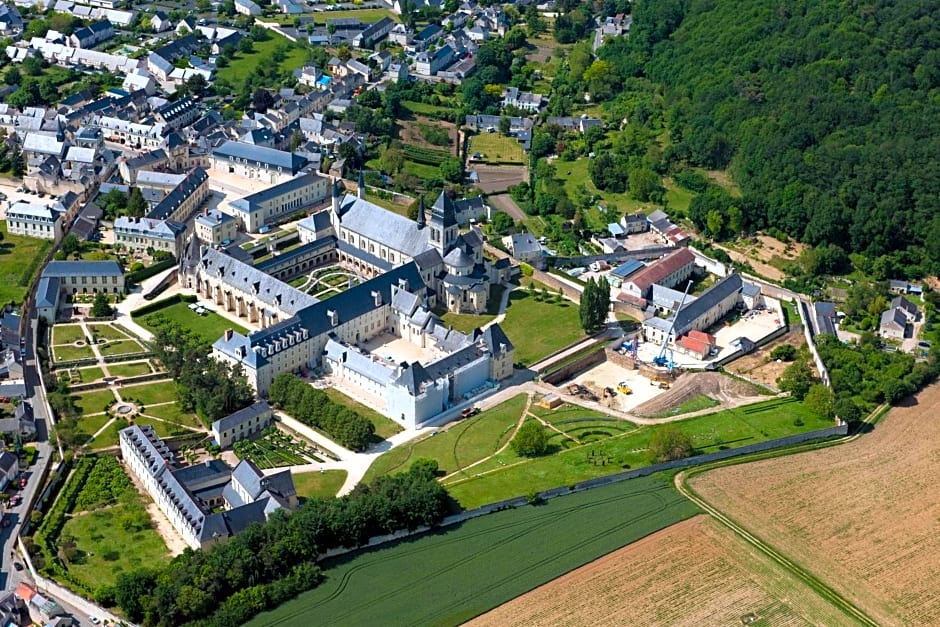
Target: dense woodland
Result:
[827, 114]
[267, 564]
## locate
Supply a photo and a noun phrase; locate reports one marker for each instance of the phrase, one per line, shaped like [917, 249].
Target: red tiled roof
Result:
[693, 345]
[658, 271]
[702, 336]
[25, 592]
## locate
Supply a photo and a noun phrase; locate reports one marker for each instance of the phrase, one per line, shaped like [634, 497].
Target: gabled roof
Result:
[717, 293]
[63, 269]
[287, 161]
[659, 270]
[242, 416]
[380, 225]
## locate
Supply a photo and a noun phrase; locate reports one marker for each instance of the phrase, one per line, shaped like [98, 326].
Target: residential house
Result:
[429, 63]
[243, 424]
[527, 101]
[373, 33]
[9, 468]
[92, 35]
[894, 324]
[146, 234]
[247, 7]
[524, 247]
[634, 223]
[660, 224]
[160, 21]
[215, 227]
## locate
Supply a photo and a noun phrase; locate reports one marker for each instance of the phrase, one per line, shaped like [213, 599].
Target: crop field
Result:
[425, 156]
[693, 573]
[496, 148]
[861, 517]
[450, 576]
[595, 448]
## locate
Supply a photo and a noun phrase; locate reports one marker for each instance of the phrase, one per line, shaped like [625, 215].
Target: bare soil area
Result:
[692, 573]
[758, 365]
[727, 391]
[765, 254]
[505, 203]
[499, 178]
[411, 133]
[862, 516]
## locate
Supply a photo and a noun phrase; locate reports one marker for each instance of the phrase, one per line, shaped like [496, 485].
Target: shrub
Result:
[784, 352]
[531, 440]
[670, 443]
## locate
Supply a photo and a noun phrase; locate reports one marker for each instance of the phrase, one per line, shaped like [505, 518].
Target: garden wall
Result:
[569, 370]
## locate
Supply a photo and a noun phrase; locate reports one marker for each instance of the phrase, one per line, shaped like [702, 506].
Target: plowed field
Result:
[862, 517]
[693, 573]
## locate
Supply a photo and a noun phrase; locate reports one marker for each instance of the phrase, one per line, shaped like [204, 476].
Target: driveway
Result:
[505, 203]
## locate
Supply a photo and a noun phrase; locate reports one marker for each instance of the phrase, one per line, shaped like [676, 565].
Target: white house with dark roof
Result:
[256, 162]
[214, 227]
[286, 198]
[9, 468]
[243, 424]
[34, 220]
[141, 234]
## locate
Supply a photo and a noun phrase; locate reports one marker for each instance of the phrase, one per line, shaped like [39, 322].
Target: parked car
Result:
[469, 411]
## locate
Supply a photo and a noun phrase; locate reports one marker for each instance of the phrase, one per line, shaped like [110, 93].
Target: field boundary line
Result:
[824, 590]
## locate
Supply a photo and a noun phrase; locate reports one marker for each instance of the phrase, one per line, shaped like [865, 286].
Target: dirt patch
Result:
[692, 573]
[411, 133]
[727, 391]
[766, 254]
[759, 367]
[505, 203]
[499, 178]
[862, 516]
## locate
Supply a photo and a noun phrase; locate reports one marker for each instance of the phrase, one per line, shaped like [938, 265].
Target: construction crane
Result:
[661, 359]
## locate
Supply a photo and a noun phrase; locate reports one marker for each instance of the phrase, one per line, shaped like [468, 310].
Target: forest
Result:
[826, 113]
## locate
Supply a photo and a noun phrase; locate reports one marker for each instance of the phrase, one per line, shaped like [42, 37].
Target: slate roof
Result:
[261, 408]
[825, 315]
[496, 339]
[523, 243]
[669, 298]
[260, 155]
[8, 462]
[380, 225]
[893, 318]
[251, 201]
[214, 218]
[367, 366]
[691, 312]
[47, 292]
[245, 277]
[63, 269]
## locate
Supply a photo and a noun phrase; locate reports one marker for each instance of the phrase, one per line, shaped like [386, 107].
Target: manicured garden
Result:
[208, 326]
[107, 332]
[275, 449]
[120, 347]
[150, 393]
[172, 412]
[94, 401]
[130, 369]
[450, 576]
[324, 484]
[68, 334]
[538, 326]
[70, 352]
[384, 427]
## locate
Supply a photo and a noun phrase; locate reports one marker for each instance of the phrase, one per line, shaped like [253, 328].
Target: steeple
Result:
[421, 217]
[361, 191]
[443, 223]
[336, 198]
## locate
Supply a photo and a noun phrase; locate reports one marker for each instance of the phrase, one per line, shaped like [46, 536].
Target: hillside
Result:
[826, 112]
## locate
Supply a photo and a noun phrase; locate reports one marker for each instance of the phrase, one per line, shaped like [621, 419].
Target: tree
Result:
[502, 223]
[11, 76]
[197, 85]
[846, 409]
[504, 125]
[669, 443]
[136, 205]
[246, 46]
[452, 170]
[644, 183]
[797, 379]
[821, 400]
[262, 100]
[595, 304]
[70, 244]
[531, 440]
[100, 308]
[784, 352]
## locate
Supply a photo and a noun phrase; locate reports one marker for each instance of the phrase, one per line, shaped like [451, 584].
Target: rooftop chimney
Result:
[377, 295]
[333, 316]
[228, 334]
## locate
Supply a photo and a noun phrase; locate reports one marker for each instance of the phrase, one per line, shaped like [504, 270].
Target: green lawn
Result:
[89, 425]
[121, 347]
[450, 576]
[539, 328]
[107, 550]
[131, 369]
[384, 427]
[463, 443]
[364, 15]
[150, 393]
[422, 171]
[323, 484]
[69, 352]
[422, 108]
[68, 334]
[20, 258]
[465, 323]
[696, 403]
[163, 429]
[497, 148]
[242, 65]
[512, 476]
[94, 401]
[677, 197]
[174, 413]
[107, 332]
[209, 326]
[89, 374]
[109, 437]
[592, 216]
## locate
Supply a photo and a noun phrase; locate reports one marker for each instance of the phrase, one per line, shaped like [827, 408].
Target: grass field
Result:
[323, 484]
[384, 427]
[18, 255]
[497, 148]
[463, 443]
[465, 323]
[424, 172]
[421, 108]
[507, 475]
[365, 15]
[150, 393]
[163, 429]
[696, 403]
[244, 64]
[695, 572]
[861, 517]
[107, 332]
[106, 549]
[450, 576]
[89, 425]
[90, 374]
[67, 334]
[592, 216]
[109, 437]
[209, 326]
[539, 328]
[174, 413]
[131, 369]
[69, 352]
[94, 401]
[121, 347]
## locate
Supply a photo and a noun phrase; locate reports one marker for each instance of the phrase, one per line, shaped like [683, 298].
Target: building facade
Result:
[215, 227]
[43, 222]
[282, 200]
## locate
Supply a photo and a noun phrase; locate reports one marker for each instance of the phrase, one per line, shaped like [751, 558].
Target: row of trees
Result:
[211, 388]
[267, 564]
[313, 407]
[595, 304]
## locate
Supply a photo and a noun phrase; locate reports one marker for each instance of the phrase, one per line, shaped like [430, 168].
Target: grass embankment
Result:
[20, 258]
[538, 328]
[242, 65]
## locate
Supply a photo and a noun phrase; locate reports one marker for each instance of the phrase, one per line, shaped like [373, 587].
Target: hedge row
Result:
[160, 304]
[146, 273]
